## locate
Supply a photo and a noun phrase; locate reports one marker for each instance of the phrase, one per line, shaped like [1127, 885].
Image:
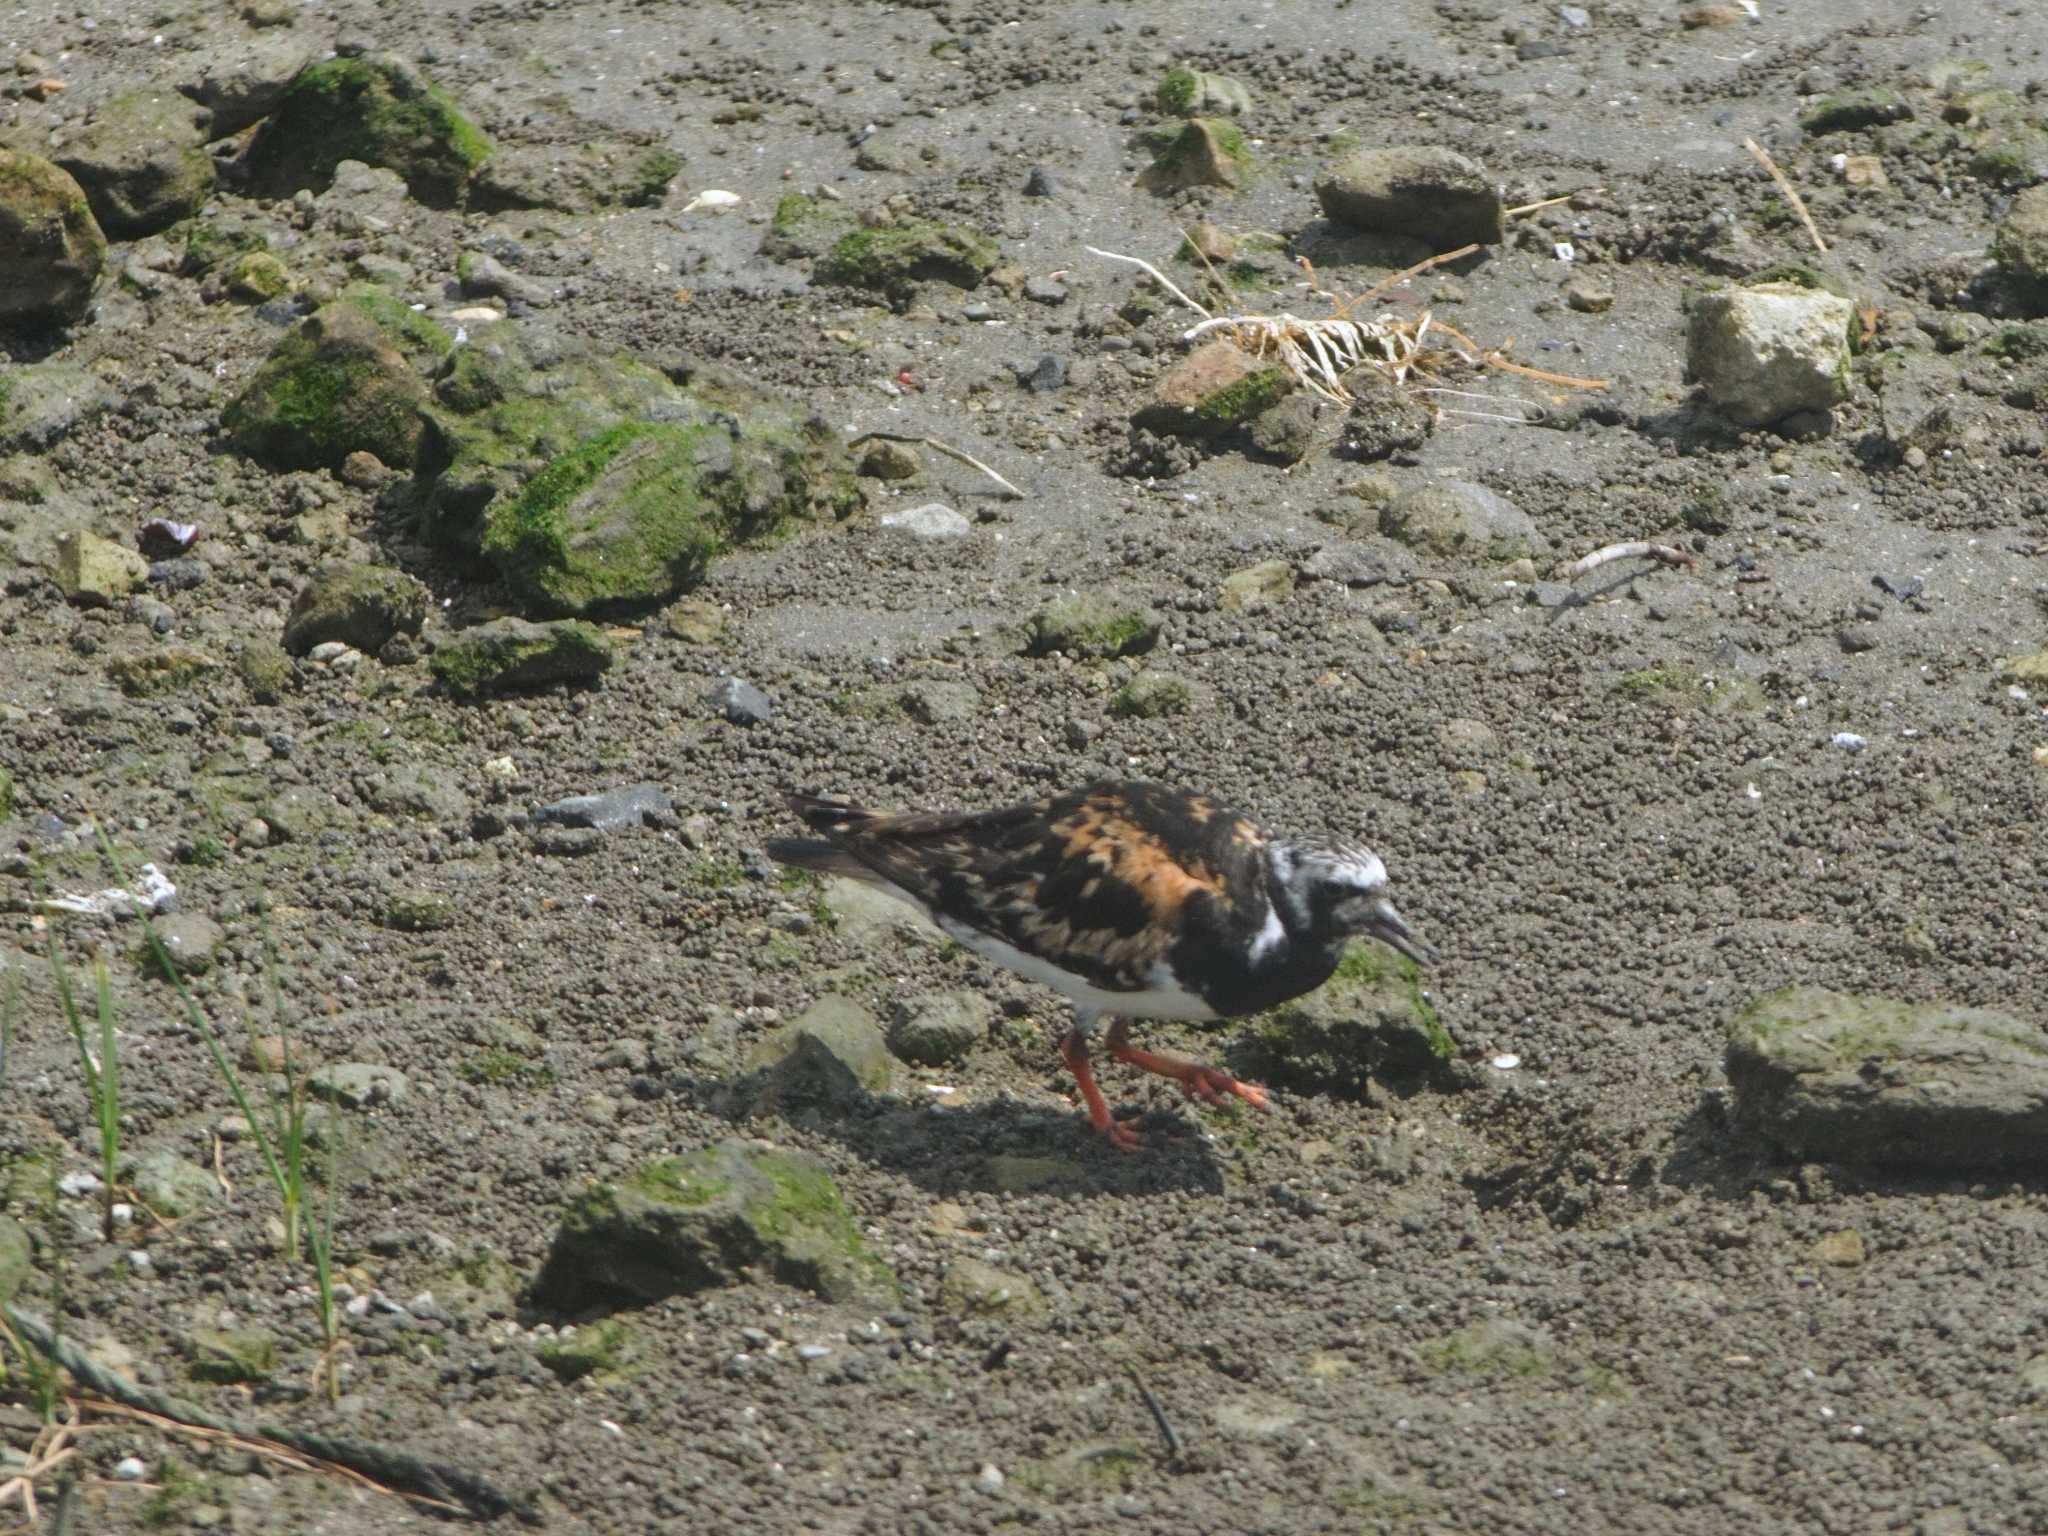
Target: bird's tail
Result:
[817, 856]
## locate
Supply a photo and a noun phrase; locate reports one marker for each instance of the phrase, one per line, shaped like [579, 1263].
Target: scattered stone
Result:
[243, 82]
[1151, 695]
[1833, 1076]
[1856, 638]
[1588, 297]
[170, 1185]
[335, 384]
[635, 805]
[1090, 626]
[227, 1357]
[359, 605]
[740, 702]
[1760, 353]
[975, 1288]
[1423, 192]
[1216, 387]
[2020, 246]
[142, 162]
[1039, 183]
[895, 259]
[191, 938]
[51, 247]
[48, 401]
[360, 1085]
[696, 619]
[936, 703]
[266, 671]
[1844, 1248]
[510, 655]
[596, 1350]
[375, 108]
[833, 1055]
[932, 523]
[685, 1224]
[1256, 587]
[1202, 152]
[482, 275]
[1043, 376]
[418, 792]
[1458, 518]
[418, 912]
[940, 1027]
[885, 460]
[1286, 431]
[93, 572]
[1043, 290]
[1189, 92]
[1385, 419]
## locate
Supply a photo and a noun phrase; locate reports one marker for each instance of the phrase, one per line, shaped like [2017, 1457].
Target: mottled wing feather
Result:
[1102, 882]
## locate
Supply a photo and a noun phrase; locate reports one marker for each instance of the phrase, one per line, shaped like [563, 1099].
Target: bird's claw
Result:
[1216, 1087]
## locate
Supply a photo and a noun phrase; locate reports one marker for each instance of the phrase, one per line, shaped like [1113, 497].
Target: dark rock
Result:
[833, 1055]
[1833, 1076]
[1046, 375]
[51, 247]
[939, 1027]
[1385, 419]
[1039, 183]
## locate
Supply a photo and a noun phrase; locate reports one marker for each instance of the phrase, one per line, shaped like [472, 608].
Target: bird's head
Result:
[1330, 895]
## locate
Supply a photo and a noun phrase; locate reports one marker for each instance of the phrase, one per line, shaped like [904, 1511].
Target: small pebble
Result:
[131, 1469]
[990, 1478]
[1849, 741]
[812, 1351]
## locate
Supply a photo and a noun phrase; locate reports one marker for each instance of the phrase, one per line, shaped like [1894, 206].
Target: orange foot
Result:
[1121, 1134]
[1211, 1085]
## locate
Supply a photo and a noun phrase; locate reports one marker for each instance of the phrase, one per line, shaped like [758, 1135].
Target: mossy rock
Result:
[513, 655]
[230, 1357]
[895, 259]
[598, 1352]
[1848, 111]
[803, 227]
[1202, 152]
[256, 277]
[375, 108]
[1370, 1017]
[359, 605]
[209, 244]
[1152, 695]
[335, 385]
[709, 1218]
[626, 521]
[51, 246]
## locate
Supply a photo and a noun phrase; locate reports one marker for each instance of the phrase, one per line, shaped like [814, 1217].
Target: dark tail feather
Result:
[826, 817]
[817, 856]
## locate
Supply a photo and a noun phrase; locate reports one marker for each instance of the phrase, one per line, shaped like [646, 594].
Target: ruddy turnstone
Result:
[1135, 900]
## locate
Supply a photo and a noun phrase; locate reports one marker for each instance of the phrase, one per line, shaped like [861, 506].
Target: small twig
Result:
[1636, 550]
[938, 447]
[1548, 202]
[1156, 275]
[1158, 1416]
[1791, 196]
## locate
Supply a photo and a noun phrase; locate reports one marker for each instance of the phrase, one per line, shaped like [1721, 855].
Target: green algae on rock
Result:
[684, 1224]
[1091, 626]
[1202, 152]
[375, 108]
[334, 385]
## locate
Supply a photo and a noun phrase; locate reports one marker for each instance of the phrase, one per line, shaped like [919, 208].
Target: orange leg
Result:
[1211, 1085]
[1074, 1051]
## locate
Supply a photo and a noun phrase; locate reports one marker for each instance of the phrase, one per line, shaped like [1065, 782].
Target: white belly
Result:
[1162, 999]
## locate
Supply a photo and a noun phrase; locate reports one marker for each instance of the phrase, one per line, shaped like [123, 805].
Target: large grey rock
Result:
[51, 247]
[47, 401]
[1460, 519]
[1422, 191]
[709, 1218]
[170, 1185]
[1840, 1076]
[1763, 352]
[359, 605]
[142, 162]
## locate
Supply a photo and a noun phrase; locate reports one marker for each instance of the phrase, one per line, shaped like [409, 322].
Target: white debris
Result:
[1849, 741]
[153, 893]
[712, 201]
[131, 1469]
[1506, 1061]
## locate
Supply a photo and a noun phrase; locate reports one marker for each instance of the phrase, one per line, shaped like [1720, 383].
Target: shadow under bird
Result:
[1134, 900]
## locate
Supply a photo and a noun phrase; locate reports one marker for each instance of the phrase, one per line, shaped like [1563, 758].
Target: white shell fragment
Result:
[1849, 741]
[152, 893]
[1506, 1061]
[713, 201]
